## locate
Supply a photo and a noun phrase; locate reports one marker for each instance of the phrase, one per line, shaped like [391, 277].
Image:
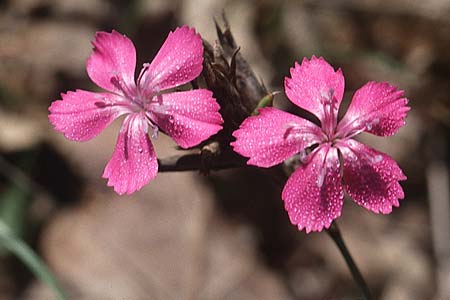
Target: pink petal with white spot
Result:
[188, 117]
[113, 62]
[313, 195]
[313, 83]
[378, 108]
[133, 163]
[178, 61]
[273, 136]
[82, 115]
[371, 178]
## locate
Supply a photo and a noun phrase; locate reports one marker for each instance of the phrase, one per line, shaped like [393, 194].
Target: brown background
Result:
[185, 236]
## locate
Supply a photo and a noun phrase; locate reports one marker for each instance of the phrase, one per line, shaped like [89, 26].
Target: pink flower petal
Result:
[113, 62]
[313, 195]
[133, 163]
[178, 61]
[273, 136]
[188, 117]
[314, 83]
[82, 115]
[378, 108]
[371, 177]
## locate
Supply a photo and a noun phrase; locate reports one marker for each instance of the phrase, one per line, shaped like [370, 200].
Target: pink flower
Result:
[189, 117]
[314, 194]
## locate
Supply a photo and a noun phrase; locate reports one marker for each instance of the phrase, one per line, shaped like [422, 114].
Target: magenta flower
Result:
[189, 117]
[314, 194]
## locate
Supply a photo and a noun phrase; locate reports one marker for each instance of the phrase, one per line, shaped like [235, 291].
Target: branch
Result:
[204, 162]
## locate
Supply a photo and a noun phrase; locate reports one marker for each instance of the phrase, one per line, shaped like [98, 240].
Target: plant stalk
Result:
[336, 235]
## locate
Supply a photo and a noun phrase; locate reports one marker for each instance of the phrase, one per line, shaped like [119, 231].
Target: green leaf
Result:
[11, 242]
[14, 204]
[266, 101]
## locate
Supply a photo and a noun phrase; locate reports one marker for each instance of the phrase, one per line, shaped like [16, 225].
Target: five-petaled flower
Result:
[314, 194]
[189, 117]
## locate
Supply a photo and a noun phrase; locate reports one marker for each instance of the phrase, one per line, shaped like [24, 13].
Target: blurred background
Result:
[226, 236]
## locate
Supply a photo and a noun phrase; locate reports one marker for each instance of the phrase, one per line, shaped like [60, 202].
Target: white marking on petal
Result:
[321, 177]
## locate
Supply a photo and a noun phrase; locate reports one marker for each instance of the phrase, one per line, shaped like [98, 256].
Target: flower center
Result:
[142, 99]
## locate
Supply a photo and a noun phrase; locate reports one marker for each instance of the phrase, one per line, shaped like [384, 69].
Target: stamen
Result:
[155, 128]
[144, 69]
[155, 131]
[120, 84]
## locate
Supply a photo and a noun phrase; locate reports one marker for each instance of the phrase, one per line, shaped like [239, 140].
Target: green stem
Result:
[335, 234]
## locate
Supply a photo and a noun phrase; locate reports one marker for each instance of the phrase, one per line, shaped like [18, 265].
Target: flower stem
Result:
[198, 161]
[335, 234]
